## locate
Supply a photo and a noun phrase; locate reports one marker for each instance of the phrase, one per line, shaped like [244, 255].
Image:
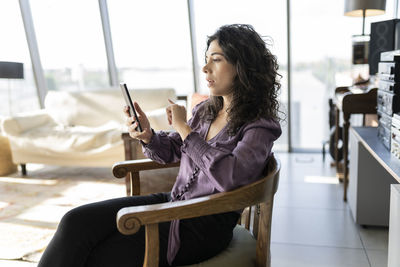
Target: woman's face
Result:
[219, 72]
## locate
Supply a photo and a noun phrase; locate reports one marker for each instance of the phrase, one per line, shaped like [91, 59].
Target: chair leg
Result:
[23, 169]
[151, 254]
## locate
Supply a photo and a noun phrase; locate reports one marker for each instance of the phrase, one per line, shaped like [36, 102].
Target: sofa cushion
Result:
[24, 122]
[95, 108]
[151, 99]
[158, 120]
[85, 108]
[69, 140]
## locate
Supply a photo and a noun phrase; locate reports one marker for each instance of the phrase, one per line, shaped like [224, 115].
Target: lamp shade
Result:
[11, 70]
[354, 8]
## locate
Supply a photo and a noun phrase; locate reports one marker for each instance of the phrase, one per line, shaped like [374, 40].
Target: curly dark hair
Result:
[255, 87]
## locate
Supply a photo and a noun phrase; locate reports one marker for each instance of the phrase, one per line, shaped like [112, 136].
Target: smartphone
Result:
[129, 103]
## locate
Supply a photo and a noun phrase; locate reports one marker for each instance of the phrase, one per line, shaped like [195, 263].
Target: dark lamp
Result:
[364, 8]
[11, 70]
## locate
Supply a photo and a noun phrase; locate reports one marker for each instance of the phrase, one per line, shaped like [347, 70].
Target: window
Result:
[16, 95]
[321, 46]
[268, 19]
[71, 44]
[151, 42]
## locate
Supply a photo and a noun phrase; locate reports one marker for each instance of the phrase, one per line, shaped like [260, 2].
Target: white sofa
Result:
[80, 128]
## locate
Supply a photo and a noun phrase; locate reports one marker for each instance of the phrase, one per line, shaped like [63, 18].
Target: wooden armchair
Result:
[244, 250]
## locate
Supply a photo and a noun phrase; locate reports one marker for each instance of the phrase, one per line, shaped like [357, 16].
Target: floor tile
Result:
[318, 227]
[310, 195]
[378, 258]
[297, 166]
[284, 255]
[375, 237]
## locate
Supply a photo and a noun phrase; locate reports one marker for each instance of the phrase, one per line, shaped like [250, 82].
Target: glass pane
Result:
[16, 95]
[321, 46]
[71, 44]
[268, 19]
[151, 42]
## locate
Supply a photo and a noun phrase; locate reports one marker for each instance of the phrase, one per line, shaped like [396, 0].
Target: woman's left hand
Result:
[177, 118]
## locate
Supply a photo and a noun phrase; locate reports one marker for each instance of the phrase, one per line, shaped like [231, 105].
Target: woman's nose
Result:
[205, 68]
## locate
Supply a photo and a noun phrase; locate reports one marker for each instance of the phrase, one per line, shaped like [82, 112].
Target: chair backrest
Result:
[257, 220]
[262, 213]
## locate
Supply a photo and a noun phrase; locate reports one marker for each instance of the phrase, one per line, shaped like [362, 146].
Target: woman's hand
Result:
[177, 118]
[146, 134]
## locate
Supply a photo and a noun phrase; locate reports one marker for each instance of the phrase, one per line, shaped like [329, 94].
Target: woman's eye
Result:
[213, 59]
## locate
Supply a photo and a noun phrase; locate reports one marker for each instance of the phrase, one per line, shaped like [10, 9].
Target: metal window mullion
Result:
[38, 73]
[105, 21]
[195, 65]
[290, 148]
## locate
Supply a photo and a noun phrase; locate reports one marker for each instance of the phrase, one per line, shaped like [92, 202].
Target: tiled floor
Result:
[312, 226]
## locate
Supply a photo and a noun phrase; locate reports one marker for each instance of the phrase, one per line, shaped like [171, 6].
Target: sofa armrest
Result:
[23, 122]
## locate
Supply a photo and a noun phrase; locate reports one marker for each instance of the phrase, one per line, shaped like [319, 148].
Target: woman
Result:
[225, 145]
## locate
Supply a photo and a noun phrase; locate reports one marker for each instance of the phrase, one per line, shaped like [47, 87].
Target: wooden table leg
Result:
[346, 125]
[23, 169]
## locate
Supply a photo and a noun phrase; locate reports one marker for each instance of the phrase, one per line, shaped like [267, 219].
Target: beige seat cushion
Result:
[241, 251]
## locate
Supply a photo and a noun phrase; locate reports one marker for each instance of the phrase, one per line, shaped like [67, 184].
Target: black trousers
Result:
[88, 236]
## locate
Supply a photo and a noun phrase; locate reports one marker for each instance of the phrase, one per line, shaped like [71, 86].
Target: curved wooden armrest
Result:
[130, 219]
[121, 169]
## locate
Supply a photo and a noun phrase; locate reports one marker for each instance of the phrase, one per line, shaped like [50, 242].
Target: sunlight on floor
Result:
[27, 181]
[3, 204]
[321, 179]
[32, 206]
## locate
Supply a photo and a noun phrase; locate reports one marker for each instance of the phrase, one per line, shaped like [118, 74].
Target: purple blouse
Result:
[207, 167]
